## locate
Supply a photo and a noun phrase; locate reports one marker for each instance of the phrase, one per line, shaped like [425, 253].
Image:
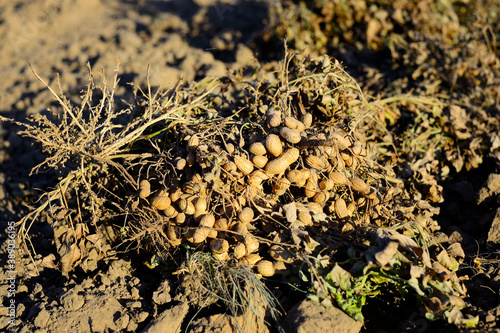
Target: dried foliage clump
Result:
[280, 171]
[433, 65]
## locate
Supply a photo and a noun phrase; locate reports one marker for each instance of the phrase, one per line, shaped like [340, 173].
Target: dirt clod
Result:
[169, 320]
[309, 316]
[494, 232]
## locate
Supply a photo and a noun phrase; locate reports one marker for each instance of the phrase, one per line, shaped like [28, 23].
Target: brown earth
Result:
[188, 39]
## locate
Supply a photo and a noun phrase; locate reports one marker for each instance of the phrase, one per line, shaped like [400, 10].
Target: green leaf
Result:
[471, 322]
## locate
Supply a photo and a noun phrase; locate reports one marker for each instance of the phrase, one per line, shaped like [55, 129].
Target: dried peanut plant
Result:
[277, 170]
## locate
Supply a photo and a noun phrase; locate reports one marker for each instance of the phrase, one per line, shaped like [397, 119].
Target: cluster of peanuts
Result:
[222, 183]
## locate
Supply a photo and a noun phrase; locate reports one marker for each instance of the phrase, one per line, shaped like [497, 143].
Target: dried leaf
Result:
[385, 256]
[290, 212]
[320, 217]
[390, 234]
[456, 301]
[423, 255]
[297, 224]
[416, 272]
[459, 120]
[48, 261]
[69, 259]
[455, 316]
[455, 250]
[433, 305]
[444, 259]
[310, 243]
[443, 273]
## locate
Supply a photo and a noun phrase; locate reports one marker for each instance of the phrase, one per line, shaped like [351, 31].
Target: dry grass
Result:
[90, 138]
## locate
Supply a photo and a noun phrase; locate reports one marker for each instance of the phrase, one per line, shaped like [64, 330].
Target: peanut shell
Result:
[257, 148]
[311, 187]
[257, 177]
[293, 123]
[251, 259]
[281, 186]
[240, 250]
[265, 268]
[221, 224]
[273, 118]
[340, 208]
[326, 184]
[240, 230]
[219, 245]
[170, 212]
[315, 162]
[259, 161]
[280, 164]
[321, 197]
[290, 135]
[243, 164]
[174, 235]
[144, 184]
[200, 234]
[200, 204]
[294, 176]
[208, 220]
[273, 145]
[359, 185]
[180, 163]
[307, 120]
[251, 243]
[180, 218]
[161, 201]
[338, 178]
[193, 142]
[246, 215]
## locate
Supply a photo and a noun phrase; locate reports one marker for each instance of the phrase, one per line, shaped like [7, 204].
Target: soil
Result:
[172, 40]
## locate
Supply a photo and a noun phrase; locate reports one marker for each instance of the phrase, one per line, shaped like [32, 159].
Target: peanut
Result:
[265, 268]
[246, 215]
[219, 245]
[315, 162]
[281, 186]
[174, 235]
[293, 123]
[280, 164]
[273, 145]
[273, 118]
[290, 135]
[307, 120]
[251, 259]
[338, 178]
[144, 189]
[359, 185]
[340, 208]
[259, 161]
[257, 148]
[243, 164]
[161, 201]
